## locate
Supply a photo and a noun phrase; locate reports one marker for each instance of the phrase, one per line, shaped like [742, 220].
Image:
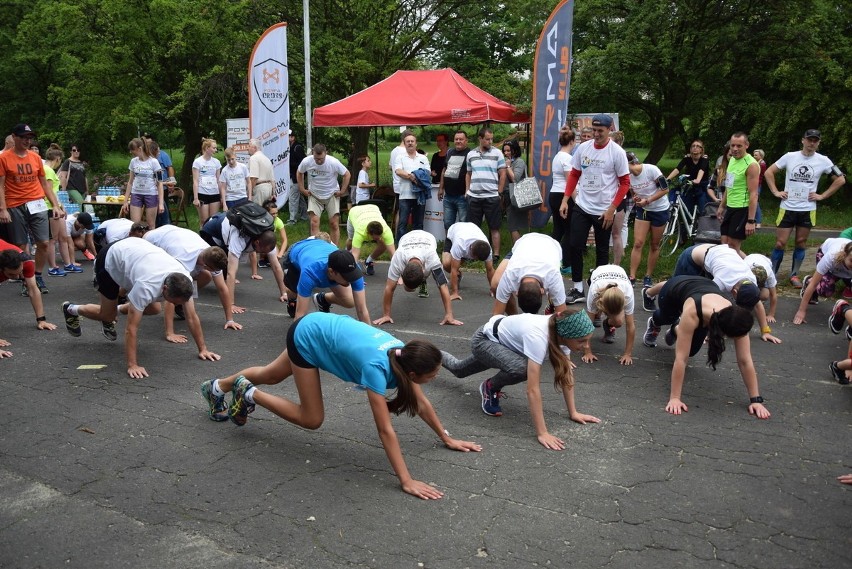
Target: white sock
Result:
[73, 309]
[578, 285]
[217, 391]
[249, 395]
[369, 258]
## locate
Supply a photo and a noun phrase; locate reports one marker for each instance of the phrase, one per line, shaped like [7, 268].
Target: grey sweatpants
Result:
[488, 354]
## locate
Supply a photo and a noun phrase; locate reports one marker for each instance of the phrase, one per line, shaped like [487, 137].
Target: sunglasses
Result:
[74, 150]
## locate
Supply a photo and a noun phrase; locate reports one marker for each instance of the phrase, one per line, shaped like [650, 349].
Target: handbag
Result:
[526, 195]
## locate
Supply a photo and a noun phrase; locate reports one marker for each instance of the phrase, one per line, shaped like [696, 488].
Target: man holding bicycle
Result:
[739, 204]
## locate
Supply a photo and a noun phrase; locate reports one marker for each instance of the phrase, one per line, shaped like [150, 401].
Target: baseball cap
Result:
[85, 219]
[343, 263]
[631, 158]
[812, 133]
[602, 120]
[22, 129]
[748, 295]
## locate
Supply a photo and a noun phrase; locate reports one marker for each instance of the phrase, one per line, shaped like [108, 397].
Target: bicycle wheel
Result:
[671, 234]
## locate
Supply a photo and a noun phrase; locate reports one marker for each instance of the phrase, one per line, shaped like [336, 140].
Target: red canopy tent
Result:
[439, 96]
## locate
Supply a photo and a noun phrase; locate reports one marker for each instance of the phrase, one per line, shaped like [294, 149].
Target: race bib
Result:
[591, 180]
[729, 180]
[797, 192]
[208, 183]
[36, 206]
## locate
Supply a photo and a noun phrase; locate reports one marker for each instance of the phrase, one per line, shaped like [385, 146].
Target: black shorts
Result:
[208, 199]
[103, 281]
[292, 273]
[293, 352]
[788, 219]
[733, 225]
[489, 208]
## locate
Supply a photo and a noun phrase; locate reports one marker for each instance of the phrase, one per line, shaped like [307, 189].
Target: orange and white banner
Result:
[269, 103]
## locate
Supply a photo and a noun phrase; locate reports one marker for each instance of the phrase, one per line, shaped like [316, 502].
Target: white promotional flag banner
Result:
[269, 103]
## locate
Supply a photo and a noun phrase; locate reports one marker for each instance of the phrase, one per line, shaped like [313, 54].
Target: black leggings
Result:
[561, 227]
[581, 222]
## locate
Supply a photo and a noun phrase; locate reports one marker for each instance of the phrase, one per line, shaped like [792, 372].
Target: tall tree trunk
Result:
[192, 134]
[662, 137]
[360, 146]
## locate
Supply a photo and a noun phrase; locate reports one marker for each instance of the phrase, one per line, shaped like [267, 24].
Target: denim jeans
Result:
[455, 209]
[409, 207]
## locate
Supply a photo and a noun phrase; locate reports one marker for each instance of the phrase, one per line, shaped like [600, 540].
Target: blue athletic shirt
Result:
[311, 256]
[348, 348]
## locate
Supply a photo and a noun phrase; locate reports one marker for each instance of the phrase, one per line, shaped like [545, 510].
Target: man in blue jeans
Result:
[452, 184]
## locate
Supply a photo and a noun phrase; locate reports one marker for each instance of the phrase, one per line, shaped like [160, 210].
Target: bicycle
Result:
[681, 225]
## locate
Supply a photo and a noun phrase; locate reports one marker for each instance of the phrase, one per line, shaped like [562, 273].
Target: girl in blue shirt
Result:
[369, 357]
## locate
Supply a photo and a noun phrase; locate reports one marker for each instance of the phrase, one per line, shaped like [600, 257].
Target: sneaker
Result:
[651, 333]
[609, 333]
[371, 269]
[56, 272]
[648, 303]
[291, 308]
[24, 291]
[847, 292]
[263, 264]
[495, 259]
[291, 222]
[108, 329]
[40, 284]
[217, 411]
[490, 399]
[596, 322]
[836, 320]
[321, 303]
[423, 293]
[72, 268]
[566, 271]
[814, 297]
[632, 280]
[796, 281]
[88, 255]
[671, 335]
[179, 313]
[239, 410]
[72, 323]
[647, 282]
[574, 296]
[549, 309]
[839, 374]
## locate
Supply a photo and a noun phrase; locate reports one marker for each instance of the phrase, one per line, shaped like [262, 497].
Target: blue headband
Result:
[578, 325]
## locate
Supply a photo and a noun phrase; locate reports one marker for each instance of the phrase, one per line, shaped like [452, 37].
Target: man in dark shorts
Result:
[739, 204]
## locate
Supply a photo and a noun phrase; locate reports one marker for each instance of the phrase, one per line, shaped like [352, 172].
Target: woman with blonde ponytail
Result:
[517, 345]
[610, 303]
[370, 358]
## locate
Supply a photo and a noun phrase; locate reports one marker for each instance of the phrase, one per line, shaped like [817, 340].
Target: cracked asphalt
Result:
[99, 470]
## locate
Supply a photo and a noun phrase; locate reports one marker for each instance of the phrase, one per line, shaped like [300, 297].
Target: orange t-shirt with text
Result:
[23, 175]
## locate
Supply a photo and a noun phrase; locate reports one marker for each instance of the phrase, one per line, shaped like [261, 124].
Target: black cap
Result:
[22, 129]
[343, 263]
[85, 219]
[602, 120]
[812, 133]
[748, 295]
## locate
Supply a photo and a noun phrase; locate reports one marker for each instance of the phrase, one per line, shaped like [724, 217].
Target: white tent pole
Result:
[307, 39]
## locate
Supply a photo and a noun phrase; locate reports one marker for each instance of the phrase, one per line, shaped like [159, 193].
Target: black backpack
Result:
[251, 219]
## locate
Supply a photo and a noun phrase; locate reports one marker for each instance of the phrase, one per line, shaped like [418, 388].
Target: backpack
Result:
[251, 219]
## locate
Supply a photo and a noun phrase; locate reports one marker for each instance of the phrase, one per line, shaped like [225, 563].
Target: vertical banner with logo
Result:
[551, 86]
[238, 137]
[269, 103]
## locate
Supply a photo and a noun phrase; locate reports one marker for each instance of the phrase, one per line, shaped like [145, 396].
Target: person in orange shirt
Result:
[23, 189]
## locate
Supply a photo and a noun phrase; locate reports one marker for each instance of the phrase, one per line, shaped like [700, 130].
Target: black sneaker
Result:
[24, 291]
[839, 374]
[291, 308]
[108, 329]
[837, 318]
[72, 323]
[814, 297]
[371, 268]
[609, 333]
[321, 303]
[651, 333]
[574, 296]
[179, 313]
[41, 286]
[648, 303]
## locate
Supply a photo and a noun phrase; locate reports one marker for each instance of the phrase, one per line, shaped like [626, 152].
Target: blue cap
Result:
[602, 120]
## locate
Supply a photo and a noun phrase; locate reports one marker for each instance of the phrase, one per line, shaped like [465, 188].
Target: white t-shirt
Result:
[525, 334]
[534, 255]
[830, 249]
[409, 164]
[802, 174]
[600, 168]
[645, 185]
[145, 174]
[208, 175]
[394, 156]
[116, 229]
[140, 268]
[462, 235]
[236, 181]
[69, 226]
[182, 244]
[727, 267]
[560, 168]
[758, 260]
[362, 193]
[321, 179]
[604, 276]
[417, 244]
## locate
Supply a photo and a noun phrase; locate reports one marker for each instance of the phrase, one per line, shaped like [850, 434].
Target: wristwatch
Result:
[757, 399]
[751, 221]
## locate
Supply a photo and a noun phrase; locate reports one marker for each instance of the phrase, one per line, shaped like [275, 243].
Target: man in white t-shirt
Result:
[530, 272]
[414, 260]
[323, 189]
[80, 235]
[148, 275]
[600, 176]
[409, 203]
[112, 230]
[261, 174]
[799, 198]
[204, 262]
[465, 241]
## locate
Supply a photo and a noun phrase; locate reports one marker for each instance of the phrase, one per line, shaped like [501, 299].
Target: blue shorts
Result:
[657, 218]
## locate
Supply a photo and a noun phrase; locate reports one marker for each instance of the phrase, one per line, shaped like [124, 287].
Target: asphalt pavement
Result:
[100, 470]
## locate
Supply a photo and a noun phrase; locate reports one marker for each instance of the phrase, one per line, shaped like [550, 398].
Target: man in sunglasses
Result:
[23, 189]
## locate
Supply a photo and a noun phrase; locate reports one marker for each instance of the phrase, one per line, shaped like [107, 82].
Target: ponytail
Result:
[418, 357]
[563, 376]
[733, 321]
[610, 300]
